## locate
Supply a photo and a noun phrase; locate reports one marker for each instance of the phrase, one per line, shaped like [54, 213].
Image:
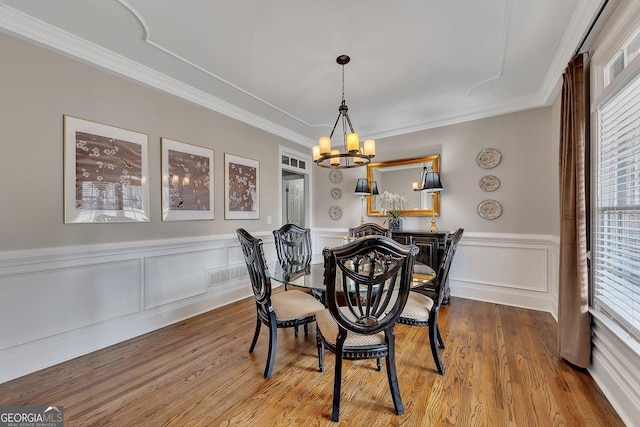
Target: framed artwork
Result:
[106, 173]
[187, 181]
[242, 188]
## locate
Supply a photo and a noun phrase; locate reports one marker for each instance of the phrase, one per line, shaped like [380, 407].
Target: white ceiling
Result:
[415, 64]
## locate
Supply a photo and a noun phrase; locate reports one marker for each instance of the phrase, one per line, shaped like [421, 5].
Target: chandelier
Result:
[353, 154]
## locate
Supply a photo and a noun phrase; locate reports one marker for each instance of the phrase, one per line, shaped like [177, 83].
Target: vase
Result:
[395, 224]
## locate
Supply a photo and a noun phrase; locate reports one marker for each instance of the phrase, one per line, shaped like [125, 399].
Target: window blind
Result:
[616, 220]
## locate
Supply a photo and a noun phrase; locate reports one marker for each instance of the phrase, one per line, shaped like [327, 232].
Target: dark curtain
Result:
[574, 320]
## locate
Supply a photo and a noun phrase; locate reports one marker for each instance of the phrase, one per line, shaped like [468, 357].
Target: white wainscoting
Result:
[615, 359]
[60, 303]
[511, 269]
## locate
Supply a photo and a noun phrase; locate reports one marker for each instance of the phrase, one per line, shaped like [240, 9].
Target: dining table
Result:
[308, 273]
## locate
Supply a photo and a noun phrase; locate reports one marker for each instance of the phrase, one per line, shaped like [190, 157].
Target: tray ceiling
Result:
[415, 64]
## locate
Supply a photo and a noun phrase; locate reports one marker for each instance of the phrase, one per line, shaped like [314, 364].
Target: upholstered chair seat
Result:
[329, 329]
[294, 304]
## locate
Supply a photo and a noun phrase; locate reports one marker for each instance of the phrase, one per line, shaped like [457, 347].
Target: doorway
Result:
[295, 190]
[293, 198]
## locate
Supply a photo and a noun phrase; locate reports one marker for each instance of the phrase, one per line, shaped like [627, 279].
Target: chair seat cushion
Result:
[329, 329]
[294, 304]
[418, 307]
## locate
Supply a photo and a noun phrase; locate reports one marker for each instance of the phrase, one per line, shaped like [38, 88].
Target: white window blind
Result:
[616, 220]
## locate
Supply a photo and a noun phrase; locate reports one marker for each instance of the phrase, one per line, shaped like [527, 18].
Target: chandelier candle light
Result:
[353, 155]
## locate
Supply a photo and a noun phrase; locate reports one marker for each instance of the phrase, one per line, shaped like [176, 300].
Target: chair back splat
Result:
[369, 229]
[293, 244]
[280, 310]
[372, 277]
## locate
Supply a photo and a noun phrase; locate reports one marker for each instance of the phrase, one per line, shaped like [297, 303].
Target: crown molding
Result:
[512, 105]
[580, 23]
[26, 27]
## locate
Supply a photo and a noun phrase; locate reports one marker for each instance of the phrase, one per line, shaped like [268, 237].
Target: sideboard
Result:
[431, 245]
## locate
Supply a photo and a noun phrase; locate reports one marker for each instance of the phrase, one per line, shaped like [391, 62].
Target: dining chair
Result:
[423, 304]
[281, 310]
[293, 244]
[363, 328]
[369, 229]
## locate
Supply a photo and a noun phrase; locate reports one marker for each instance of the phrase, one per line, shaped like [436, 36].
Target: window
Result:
[294, 162]
[622, 59]
[616, 237]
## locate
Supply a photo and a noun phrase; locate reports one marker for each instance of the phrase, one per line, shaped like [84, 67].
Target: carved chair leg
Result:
[295, 328]
[379, 364]
[320, 350]
[306, 329]
[393, 376]
[433, 341]
[273, 338]
[255, 335]
[337, 381]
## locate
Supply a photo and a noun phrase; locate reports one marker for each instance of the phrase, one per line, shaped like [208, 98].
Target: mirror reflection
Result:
[399, 177]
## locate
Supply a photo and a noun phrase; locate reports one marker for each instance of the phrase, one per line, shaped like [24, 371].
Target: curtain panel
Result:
[574, 320]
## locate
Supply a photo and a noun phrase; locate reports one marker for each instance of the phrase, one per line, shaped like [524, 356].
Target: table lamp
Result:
[362, 189]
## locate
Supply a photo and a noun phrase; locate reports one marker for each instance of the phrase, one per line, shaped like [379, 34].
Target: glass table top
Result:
[311, 275]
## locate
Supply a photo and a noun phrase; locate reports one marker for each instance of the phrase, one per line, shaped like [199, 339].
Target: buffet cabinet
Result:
[431, 247]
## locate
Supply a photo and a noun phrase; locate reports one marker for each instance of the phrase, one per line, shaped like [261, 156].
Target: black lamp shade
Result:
[374, 189]
[362, 187]
[432, 182]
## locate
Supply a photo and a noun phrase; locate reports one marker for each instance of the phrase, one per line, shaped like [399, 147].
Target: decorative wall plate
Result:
[335, 212]
[489, 183]
[488, 158]
[336, 193]
[489, 209]
[335, 176]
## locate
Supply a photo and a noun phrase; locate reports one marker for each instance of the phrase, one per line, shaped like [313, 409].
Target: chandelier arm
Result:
[334, 125]
[349, 121]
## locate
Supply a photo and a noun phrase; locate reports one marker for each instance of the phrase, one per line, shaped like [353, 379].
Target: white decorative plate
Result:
[488, 158]
[335, 176]
[335, 212]
[489, 209]
[489, 183]
[336, 193]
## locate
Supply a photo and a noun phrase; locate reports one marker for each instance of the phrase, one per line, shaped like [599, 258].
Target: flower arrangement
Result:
[396, 204]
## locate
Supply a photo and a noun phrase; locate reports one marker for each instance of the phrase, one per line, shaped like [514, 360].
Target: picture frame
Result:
[106, 171]
[187, 181]
[242, 187]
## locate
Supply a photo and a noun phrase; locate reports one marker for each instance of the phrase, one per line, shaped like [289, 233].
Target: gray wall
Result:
[528, 174]
[39, 87]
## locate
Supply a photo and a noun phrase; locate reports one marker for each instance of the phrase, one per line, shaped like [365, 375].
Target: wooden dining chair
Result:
[363, 328]
[293, 244]
[369, 229]
[281, 310]
[423, 305]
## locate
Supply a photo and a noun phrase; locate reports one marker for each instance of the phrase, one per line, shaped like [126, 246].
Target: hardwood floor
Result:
[502, 370]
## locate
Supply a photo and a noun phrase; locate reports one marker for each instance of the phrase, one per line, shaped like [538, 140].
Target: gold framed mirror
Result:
[399, 176]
